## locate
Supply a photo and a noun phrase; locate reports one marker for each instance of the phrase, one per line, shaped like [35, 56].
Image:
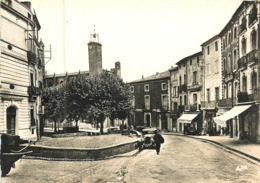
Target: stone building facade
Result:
[151, 102]
[212, 83]
[191, 72]
[22, 70]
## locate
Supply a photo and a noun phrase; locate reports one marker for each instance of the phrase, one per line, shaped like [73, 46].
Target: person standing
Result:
[158, 141]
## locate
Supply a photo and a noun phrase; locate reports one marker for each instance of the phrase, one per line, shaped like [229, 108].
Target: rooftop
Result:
[157, 76]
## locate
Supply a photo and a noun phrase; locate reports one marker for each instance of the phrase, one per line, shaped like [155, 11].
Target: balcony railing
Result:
[252, 16]
[242, 62]
[245, 97]
[193, 107]
[229, 77]
[33, 93]
[225, 102]
[181, 108]
[194, 87]
[187, 107]
[252, 56]
[209, 104]
[183, 88]
[31, 57]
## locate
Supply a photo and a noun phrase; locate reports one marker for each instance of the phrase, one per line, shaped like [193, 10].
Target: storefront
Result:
[238, 118]
[191, 123]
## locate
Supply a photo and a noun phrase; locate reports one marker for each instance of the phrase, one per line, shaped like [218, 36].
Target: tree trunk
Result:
[55, 126]
[101, 127]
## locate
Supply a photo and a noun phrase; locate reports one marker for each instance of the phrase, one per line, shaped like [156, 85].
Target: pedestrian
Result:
[158, 141]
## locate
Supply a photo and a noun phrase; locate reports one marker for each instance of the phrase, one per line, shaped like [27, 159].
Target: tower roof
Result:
[94, 37]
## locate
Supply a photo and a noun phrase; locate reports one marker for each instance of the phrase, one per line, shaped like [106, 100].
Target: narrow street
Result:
[182, 159]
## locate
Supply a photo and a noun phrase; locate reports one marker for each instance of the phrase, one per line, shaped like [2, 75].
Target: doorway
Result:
[148, 120]
[11, 120]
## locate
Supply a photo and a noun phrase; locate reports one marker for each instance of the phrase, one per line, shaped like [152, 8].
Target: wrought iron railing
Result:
[225, 102]
[31, 57]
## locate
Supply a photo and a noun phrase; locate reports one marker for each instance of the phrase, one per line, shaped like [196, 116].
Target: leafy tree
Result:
[77, 98]
[53, 101]
[109, 97]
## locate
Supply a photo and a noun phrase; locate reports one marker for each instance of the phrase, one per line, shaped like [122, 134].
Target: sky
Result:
[146, 36]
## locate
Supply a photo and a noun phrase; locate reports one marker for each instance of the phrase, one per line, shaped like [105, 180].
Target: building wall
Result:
[16, 69]
[156, 111]
[212, 70]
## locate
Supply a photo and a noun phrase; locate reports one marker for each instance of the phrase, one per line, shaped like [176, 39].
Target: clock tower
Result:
[94, 54]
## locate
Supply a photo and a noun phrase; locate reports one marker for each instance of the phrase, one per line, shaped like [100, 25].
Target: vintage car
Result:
[147, 138]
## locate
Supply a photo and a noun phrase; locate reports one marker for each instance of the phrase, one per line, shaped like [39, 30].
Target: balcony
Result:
[183, 88]
[229, 77]
[252, 57]
[33, 93]
[252, 15]
[181, 108]
[245, 97]
[31, 57]
[186, 107]
[225, 102]
[194, 87]
[242, 62]
[209, 105]
[193, 107]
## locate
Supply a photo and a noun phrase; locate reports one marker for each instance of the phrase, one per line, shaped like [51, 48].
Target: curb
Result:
[219, 144]
[80, 154]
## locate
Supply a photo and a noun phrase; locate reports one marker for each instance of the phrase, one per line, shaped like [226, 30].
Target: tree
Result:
[77, 98]
[109, 97]
[53, 102]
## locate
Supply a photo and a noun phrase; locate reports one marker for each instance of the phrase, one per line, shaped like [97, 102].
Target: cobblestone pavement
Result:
[182, 159]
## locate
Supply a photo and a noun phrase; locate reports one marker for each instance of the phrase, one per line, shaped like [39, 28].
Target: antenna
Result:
[49, 53]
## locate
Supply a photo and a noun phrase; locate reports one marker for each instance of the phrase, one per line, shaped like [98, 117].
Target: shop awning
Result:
[235, 111]
[187, 118]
